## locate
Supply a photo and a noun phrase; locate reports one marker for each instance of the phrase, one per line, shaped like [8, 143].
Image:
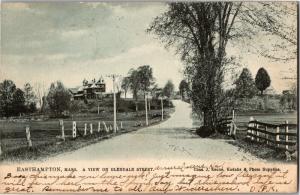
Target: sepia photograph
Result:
[149, 97]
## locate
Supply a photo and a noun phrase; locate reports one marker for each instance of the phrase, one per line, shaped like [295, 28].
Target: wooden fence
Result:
[227, 125]
[280, 136]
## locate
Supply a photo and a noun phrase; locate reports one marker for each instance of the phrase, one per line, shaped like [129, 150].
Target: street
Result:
[168, 140]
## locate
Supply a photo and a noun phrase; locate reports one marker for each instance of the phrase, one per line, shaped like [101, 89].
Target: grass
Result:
[45, 140]
[260, 150]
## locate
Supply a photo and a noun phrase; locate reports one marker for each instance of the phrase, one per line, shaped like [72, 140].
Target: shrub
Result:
[204, 131]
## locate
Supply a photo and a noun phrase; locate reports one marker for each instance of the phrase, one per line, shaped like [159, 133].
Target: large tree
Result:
[135, 85]
[168, 89]
[18, 102]
[146, 79]
[200, 32]
[7, 89]
[262, 80]
[183, 88]
[58, 98]
[125, 85]
[245, 86]
[30, 98]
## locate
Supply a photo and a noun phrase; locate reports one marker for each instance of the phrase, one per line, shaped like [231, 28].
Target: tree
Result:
[168, 89]
[125, 85]
[145, 77]
[58, 98]
[262, 80]
[30, 98]
[40, 92]
[140, 80]
[275, 21]
[134, 85]
[18, 102]
[7, 89]
[183, 88]
[200, 32]
[245, 86]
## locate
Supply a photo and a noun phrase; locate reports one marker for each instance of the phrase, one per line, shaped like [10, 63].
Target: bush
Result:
[77, 106]
[258, 104]
[204, 131]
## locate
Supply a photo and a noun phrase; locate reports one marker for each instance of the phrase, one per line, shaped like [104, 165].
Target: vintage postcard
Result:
[149, 97]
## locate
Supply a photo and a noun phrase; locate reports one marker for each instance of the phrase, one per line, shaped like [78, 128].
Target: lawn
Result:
[273, 118]
[45, 133]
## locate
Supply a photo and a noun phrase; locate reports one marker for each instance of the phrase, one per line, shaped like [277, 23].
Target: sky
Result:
[72, 41]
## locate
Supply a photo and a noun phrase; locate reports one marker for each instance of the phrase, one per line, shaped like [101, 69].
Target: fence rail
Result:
[277, 135]
[227, 125]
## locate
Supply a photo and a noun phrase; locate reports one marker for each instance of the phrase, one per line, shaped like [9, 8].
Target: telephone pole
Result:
[146, 109]
[113, 76]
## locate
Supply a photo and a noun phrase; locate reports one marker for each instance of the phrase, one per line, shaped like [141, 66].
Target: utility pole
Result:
[113, 76]
[162, 109]
[146, 109]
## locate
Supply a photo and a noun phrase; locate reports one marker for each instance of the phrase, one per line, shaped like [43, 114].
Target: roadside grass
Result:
[45, 138]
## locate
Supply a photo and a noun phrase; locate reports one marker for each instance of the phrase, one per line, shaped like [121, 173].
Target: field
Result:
[45, 134]
[274, 118]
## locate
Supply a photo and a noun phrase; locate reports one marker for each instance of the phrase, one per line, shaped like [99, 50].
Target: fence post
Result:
[28, 136]
[91, 128]
[85, 129]
[0, 149]
[267, 135]
[121, 125]
[63, 132]
[251, 125]
[257, 133]
[286, 131]
[74, 129]
[99, 127]
[106, 129]
[277, 136]
[117, 128]
[61, 122]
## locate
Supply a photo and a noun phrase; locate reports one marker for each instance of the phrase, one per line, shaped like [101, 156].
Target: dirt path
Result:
[168, 140]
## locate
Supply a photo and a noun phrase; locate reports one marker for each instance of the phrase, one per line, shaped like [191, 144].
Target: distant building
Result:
[89, 90]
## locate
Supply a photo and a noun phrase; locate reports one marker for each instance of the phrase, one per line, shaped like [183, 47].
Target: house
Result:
[89, 90]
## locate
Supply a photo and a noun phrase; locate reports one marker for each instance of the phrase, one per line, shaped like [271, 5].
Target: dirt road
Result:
[168, 140]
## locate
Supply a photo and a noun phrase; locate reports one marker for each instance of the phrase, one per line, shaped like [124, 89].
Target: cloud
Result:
[69, 41]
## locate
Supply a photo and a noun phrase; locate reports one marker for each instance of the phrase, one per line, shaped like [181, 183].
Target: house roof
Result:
[73, 90]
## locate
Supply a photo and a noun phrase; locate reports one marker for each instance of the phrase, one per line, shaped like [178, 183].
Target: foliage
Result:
[200, 32]
[245, 86]
[168, 89]
[140, 80]
[125, 85]
[18, 102]
[145, 77]
[288, 102]
[30, 98]
[7, 89]
[77, 106]
[262, 80]
[58, 98]
[183, 88]
[275, 21]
